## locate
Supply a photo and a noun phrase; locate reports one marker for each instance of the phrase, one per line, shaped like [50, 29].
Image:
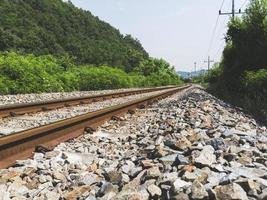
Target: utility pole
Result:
[233, 13]
[195, 63]
[233, 8]
[209, 61]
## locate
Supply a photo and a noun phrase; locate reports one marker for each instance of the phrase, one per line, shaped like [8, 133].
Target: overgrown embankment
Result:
[35, 74]
[250, 94]
[241, 77]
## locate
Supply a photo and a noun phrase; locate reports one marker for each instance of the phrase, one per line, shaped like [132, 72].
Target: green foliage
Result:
[241, 76]
[26, 74]
[33, 74]
[254, 84]
[256, 79]
[43, 27]
[153, 65]
[212, 75]
[162, 79]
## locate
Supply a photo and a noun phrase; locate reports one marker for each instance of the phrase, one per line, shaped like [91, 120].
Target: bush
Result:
[255, 80]
[92, 78]
[254, 85]
[28, 74]
[35, 74]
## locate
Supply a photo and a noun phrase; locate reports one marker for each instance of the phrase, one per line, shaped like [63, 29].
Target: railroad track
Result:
[20, 145]
[23, 108]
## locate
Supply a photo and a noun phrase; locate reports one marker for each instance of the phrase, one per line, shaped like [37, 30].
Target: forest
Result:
[45, 27]
[241, 77]
[51, 45]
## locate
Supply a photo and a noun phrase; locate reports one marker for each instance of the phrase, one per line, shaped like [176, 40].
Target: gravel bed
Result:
[10, 125]
[188, 146]
[29, 98]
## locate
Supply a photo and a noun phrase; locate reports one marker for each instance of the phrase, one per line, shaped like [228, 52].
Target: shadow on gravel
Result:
[254, 105]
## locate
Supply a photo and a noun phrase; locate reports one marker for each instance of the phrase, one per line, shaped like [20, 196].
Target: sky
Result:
[179, 31]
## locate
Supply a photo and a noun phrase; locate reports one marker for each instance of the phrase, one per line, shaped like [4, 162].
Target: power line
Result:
[221, 30]
[244, 3]
[213, 35]
[222, 4]
[222, 43]
[214, 30]
[233, 13]
[219, 49]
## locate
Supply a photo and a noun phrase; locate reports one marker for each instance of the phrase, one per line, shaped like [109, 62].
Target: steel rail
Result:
[20, 145]
[19, 109]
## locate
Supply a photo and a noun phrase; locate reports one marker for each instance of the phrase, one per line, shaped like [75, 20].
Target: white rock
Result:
[179, 185]
[154, 190]
[206, 157]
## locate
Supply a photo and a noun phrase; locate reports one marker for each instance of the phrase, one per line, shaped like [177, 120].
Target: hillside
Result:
[54, 27]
